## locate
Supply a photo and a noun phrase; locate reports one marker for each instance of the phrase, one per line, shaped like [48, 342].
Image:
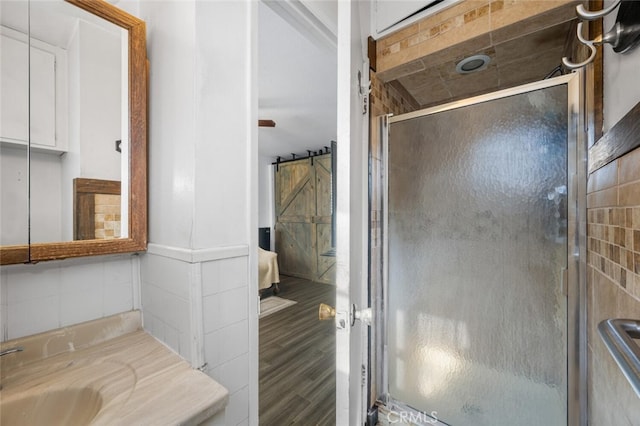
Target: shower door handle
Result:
[564, 281]
[326, 312]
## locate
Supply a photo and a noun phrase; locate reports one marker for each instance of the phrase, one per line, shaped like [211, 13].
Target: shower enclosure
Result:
[479, 303]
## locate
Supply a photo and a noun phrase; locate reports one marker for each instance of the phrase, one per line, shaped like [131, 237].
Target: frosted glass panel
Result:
[477, 244]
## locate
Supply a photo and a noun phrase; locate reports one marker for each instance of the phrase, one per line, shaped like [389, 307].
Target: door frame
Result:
[352, 210]
[576, 243]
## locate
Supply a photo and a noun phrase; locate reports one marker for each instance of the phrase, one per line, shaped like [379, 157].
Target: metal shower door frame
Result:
[576, 246]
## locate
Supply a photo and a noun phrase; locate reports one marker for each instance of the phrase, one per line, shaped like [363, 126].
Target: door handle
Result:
[326, 312]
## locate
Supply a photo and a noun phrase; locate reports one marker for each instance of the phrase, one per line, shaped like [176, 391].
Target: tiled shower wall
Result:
[613, 280]
[386, 98]
[478, 21]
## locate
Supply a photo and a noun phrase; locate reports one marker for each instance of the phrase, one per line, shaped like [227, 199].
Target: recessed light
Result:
[472, 64]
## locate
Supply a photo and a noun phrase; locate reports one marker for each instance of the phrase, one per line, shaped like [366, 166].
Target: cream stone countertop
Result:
[139, 380]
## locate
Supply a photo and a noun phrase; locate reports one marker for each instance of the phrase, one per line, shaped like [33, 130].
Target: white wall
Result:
[199, 283]
[49, 295]
[621, 88]
[46, 210]
[14, 221]
[99, 101]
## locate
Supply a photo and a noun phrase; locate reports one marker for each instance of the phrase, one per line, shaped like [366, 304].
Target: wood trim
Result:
[266, 123]
[619, 140]
[96, 186]
[595, 31]
[84, 216]
[138, 118]
[372, 53]
[10, 255]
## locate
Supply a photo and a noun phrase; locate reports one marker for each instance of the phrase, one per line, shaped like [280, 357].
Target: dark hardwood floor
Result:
[297, 358]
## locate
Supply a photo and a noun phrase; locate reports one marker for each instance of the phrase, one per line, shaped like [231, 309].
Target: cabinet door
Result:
[14, 109]
[43, 98]
[17, 75]
[14, 95]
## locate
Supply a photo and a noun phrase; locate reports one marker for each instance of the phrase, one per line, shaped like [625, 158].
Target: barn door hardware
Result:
[296, 157]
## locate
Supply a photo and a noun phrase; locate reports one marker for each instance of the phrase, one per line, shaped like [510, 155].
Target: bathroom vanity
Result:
[103, 372]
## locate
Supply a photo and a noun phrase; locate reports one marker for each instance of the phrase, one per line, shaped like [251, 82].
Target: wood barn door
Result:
[303, 219]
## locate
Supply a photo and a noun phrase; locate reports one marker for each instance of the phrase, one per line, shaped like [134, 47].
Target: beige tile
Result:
[400, 71]
[539, 41]
[430, 95]
[610, 216]
[628, 306]
[459, 51]
[415, 81]
[530, 68]
[476, 83]
[633, 284]
[605, 301]
[496, 6]
[619, 236]
[460, 34]
[623, 258]
[619, 216]
[392, 60]
[459, 9]
[417, 39]
[604, 198]
[636, 217]
[629, 194]
[603, 178]
[397, 36]
[520, 12]
[628, 238]
[629, 169]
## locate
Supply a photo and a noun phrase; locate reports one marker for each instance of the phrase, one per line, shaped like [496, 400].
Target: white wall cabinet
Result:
[33, 93]
[393, 15]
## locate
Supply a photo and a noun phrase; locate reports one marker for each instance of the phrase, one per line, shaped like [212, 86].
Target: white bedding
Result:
[267, 268]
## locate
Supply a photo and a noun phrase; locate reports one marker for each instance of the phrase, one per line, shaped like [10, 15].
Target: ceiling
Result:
[519, 60]
[297, 72]
[297, 82]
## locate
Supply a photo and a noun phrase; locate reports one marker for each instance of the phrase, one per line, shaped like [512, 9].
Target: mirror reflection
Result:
[66, 71]
[14, 177]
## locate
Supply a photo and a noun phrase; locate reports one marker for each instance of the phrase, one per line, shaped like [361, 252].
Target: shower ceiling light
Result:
[472, 64]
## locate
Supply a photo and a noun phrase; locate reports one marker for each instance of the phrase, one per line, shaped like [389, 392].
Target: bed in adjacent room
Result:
[268, 270]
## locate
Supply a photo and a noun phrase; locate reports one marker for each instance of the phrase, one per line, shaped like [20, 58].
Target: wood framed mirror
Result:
[133, 162]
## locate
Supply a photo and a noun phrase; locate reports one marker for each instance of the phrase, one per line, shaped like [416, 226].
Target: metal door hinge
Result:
[372, 416]
[364, 315]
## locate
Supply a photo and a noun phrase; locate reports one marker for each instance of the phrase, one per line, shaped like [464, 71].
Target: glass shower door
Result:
[478, 221]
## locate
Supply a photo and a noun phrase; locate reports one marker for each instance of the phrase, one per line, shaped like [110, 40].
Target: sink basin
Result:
[56, 407]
